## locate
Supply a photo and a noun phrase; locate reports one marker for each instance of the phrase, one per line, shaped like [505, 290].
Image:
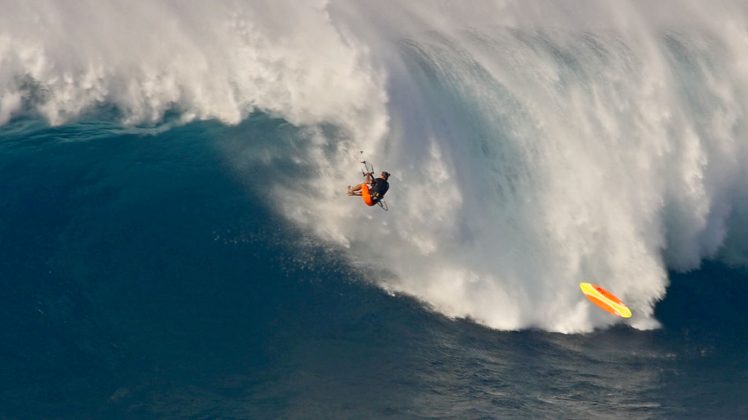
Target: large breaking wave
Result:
[533, 145]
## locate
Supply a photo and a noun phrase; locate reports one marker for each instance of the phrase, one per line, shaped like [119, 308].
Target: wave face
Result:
[533, 145]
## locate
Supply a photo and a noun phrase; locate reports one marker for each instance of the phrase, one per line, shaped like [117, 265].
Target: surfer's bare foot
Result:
[350, 191]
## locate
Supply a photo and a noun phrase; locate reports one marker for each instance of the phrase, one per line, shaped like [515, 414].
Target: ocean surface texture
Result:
[176, 241]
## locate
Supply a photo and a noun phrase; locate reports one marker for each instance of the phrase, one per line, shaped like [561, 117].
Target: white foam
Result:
[533, 145]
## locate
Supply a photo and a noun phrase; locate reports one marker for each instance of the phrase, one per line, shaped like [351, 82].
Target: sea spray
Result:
[533, 145]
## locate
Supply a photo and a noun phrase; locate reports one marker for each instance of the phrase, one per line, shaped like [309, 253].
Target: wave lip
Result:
[219, 61]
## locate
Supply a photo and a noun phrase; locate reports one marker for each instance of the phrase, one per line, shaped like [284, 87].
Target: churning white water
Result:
[533, 145]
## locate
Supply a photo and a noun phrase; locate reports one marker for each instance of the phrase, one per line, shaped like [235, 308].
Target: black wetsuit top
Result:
[379, 187]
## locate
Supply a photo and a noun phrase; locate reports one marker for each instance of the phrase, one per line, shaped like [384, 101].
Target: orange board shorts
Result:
[366, 195]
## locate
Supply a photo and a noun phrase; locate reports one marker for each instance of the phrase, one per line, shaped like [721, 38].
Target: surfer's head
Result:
[385, 175]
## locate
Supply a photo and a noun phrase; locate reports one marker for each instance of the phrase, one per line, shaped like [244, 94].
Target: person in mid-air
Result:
[372, 189]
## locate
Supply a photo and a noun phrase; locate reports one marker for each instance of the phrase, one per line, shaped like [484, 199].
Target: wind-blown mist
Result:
[533, 145]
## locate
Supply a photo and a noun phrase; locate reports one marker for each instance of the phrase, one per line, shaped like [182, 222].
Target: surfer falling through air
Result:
[372, 190]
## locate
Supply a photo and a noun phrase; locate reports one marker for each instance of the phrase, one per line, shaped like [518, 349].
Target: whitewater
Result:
[533, 145]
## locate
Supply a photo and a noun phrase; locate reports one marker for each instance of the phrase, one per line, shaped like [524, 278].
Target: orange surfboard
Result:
[605, 300]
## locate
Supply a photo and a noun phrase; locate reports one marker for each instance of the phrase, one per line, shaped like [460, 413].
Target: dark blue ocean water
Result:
[143, 275]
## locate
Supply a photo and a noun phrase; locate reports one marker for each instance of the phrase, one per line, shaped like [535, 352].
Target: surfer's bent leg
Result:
[357, 189]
